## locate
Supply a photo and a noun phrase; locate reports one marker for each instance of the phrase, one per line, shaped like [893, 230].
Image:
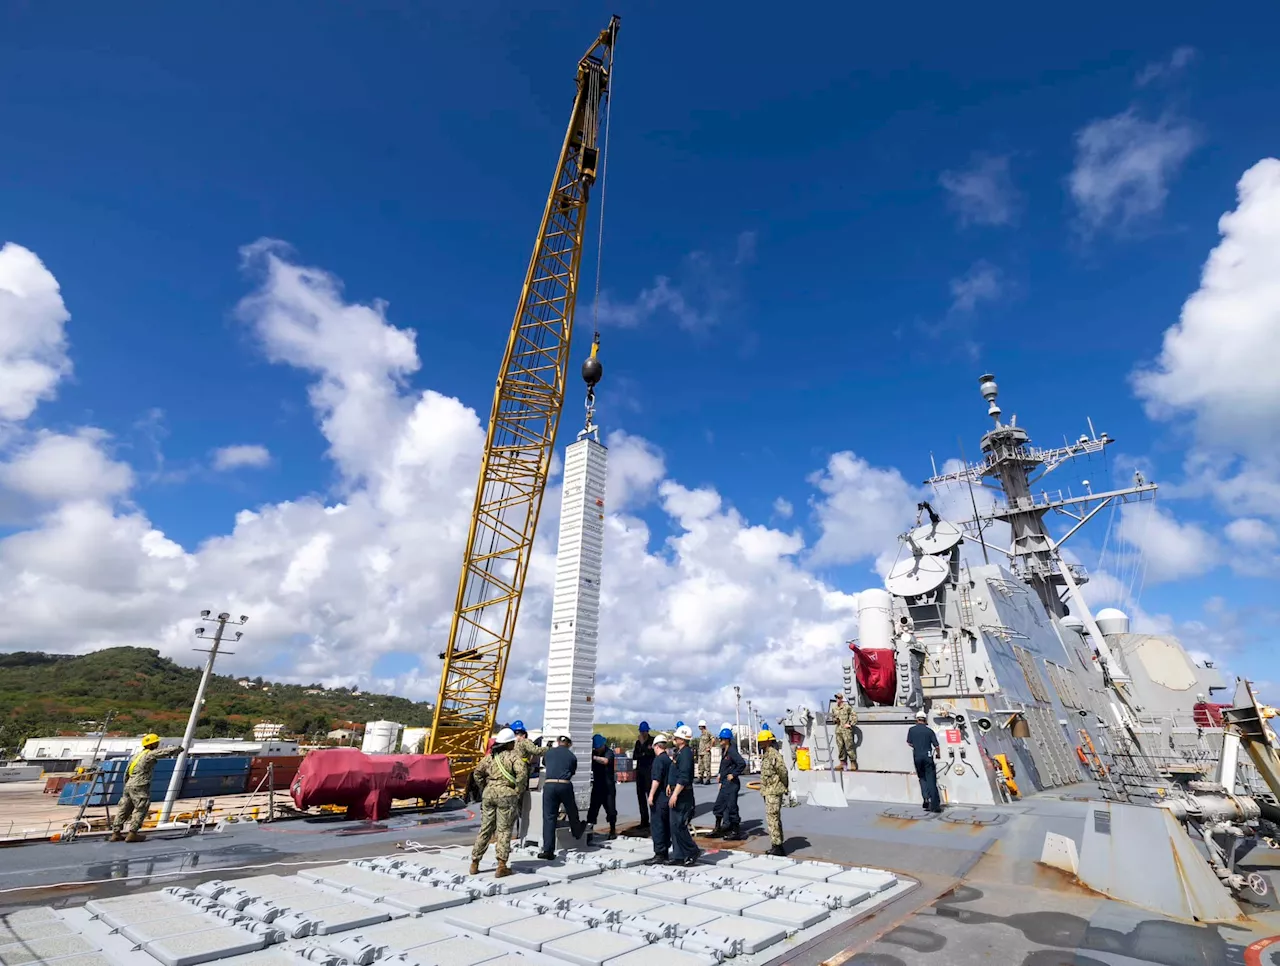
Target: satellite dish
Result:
[916, 575]
[935, 537]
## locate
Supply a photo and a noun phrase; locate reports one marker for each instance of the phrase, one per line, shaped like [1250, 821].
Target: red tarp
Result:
[876, 672]
[366, 784]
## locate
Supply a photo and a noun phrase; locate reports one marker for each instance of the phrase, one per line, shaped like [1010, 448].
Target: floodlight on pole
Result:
[180, 766]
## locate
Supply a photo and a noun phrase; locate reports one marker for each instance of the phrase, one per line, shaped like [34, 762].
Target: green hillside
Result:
[44, 694]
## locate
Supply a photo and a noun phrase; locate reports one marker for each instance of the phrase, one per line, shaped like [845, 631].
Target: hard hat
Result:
[519, 726]
[921, 715]
[644, 726]
[702, 724]
[679, 724]
[685, 732]
[150, 741]
[765, 735]
[725, 724]
[726, 734]
[597, 741]
[568, 738]
[504, 737]
[660, 740]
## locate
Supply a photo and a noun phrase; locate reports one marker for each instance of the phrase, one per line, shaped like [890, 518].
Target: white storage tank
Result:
[381, 737]
[875, 619]
[1112, 621]
[414, 740]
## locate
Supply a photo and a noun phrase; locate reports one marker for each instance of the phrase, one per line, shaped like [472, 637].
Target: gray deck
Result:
[982, 897]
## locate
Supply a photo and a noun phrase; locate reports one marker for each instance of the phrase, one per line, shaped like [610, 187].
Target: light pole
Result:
[180, 766]
[751, 729]
[737, 713]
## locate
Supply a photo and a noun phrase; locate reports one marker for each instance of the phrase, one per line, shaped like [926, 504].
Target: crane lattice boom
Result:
[521, 435]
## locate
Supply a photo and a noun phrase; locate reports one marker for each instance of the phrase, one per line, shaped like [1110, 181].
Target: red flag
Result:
[876, 672]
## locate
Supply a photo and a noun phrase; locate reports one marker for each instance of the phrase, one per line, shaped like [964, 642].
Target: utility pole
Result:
[751, 729]
[737, 713]
[180, 766]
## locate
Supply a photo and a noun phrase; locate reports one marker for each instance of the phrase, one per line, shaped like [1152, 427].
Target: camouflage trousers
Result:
[133, 808]
[846, 750]
[497, 816]
[704, 766]
[773, 817]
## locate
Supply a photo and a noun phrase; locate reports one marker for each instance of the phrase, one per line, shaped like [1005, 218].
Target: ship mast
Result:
[1016, 467]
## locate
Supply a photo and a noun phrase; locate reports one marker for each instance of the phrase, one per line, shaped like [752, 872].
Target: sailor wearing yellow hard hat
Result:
[774, 786]
[135, 801]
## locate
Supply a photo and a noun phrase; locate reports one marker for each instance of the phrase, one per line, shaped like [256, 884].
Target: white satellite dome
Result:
[1073, 623]
[1112, 621]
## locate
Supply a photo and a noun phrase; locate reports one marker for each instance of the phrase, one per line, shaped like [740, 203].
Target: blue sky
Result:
[799, 182]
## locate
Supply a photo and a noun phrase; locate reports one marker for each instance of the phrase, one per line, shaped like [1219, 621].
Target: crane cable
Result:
[604, 182]
[604, 176]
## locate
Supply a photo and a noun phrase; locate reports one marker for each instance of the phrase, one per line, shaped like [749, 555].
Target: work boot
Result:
[731, 833]
[776, 850]
[839, 766]
[659, 858]
[503, 871]
[135, 837]
[475, 867]
[547, 856]
[613, 831]
[115, 836]
[716, 832]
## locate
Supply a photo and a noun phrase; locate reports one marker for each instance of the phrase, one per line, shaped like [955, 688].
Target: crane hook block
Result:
[592, 371]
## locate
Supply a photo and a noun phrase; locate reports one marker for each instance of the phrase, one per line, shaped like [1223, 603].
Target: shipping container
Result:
[206, 777]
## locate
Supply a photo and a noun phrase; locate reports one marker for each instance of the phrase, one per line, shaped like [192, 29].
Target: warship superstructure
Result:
[1026, 687]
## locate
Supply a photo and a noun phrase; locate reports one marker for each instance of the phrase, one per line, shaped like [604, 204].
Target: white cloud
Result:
[1251, 533]
[783, 508]
[54, 468]
[1123, 167]
[1171, 550]
[33, 343]
[244, 454]
[983, 193]
[707, 601]
[862, 510]
[1160, 70]
[704, 290]
[1217, 364]
[983, 282]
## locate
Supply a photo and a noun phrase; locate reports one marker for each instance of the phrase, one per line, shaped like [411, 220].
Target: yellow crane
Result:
[521, 436]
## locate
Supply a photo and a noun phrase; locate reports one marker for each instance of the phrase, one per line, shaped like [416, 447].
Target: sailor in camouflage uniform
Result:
[135, 802]
[705, 744]
[503, 777]
[774, 786]
[846, 750]
[532, 756]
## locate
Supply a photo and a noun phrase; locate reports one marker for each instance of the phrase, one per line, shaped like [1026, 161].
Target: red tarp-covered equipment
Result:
[366, 784]
[876, 673]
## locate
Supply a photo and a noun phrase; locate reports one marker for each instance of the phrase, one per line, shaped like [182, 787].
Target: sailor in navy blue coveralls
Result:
[731, 769]
[659, 807]
[680, 798]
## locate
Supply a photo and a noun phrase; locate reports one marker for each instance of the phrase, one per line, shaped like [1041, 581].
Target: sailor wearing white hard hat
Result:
[559, 765]
[659, 805]
[503, 776]
[680, 799]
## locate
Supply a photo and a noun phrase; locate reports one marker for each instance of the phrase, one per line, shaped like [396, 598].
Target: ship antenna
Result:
[972, 499]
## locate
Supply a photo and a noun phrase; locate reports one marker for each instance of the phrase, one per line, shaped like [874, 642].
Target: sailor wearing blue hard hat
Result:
[604, 788]
[731, 769]
[643, 753]
[532, 756]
